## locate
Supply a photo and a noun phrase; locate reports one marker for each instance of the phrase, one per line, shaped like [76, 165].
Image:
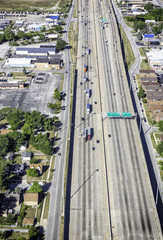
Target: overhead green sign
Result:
[126, 114]
[115, 114]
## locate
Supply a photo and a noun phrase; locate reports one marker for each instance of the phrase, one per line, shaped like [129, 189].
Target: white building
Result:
[19, 62]
[35, 51]
[155, 59]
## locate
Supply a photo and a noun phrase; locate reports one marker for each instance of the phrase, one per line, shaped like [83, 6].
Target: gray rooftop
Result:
[26, 154]
[36, 50]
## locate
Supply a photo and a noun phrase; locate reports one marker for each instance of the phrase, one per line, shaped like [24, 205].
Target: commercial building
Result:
[35, 51]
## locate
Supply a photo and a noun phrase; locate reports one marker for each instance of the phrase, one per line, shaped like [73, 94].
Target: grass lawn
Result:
[18, 235]
[73, 37]
[144, 65]
[17, 159]
[138, 80]
[30, 212]
[28, 5]
[142, 52]
[129, 55]
[32, 149]
[52, 169]
[4, 122]
[130, 24]
[148, 113]
[46, 209]
[153, 140]
[39, 211]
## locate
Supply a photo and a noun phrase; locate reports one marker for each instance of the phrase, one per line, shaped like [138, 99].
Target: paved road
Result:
[121, 188]
[56, 192]
[143, 126]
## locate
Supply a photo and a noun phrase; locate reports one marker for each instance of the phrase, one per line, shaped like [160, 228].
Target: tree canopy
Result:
[8, 34]
[3, 165]
[159, 149]
[61, 44]
[160, 125]
[35, 187]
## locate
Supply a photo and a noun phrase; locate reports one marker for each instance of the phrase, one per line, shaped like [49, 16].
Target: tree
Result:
[157, 30]
[24, 71]
[141, 93]
[159, 149]
[48, 123]
[20, 34]
[149, 7]
[3, 165]
[41, 37]
[8, 34]
[34, 160]
[1, 38]
[4, 143]
[139, 25]
[57, 94]
[21, 238]
[58, 28]
[33, 233]
[32, 172]
[36, 188]
[139, 36]
[15, 140]
[27, 129]
[160, 125]
[61, 44]
[14, 118]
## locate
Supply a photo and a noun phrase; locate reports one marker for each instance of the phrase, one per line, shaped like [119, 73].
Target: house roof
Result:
[36, 166]
[26, 154]
[28, 221]
[146, 71]
[152, 97]
[154, 87]
[37, 50]
[30, 197]
[55, 61]
[145, 79]
[4, 131]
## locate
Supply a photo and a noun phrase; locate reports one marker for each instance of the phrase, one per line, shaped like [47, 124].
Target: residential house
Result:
[39, 167]
[28, 221]
[31, 199]
[26, 156]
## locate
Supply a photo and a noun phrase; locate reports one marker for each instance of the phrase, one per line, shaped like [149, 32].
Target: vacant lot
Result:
[29, 5]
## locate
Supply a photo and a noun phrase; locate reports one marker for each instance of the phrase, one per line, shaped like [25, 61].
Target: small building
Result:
[23, 147]
[31, 199]
[56, 63]
[5, 131]
[18, 62]
[26, 156]
[38, 167]
[35, 27]
[28, 221]
[36, 51]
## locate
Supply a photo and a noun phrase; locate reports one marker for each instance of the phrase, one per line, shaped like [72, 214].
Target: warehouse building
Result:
[36, 51]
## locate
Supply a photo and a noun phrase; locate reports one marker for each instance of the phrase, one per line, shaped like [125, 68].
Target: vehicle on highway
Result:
[85, 68]
[88, 93]
[85, 79]
[88, 108]
[97, 141]
[93, 148]
[109, 135]
[89, 133]
[88, 51]
[82, 118]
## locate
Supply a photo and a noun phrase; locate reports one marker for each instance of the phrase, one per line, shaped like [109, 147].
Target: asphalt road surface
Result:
[111, 196]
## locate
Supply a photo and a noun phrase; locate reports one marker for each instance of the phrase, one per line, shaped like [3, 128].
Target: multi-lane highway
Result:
[111, 196]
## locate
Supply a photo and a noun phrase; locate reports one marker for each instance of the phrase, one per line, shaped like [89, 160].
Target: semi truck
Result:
[88, 108]
[85, 68]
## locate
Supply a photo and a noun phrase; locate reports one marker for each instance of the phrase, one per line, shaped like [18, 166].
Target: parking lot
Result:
[36, 97]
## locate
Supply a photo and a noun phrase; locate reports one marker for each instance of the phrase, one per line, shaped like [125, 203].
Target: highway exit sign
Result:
[116, 114]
